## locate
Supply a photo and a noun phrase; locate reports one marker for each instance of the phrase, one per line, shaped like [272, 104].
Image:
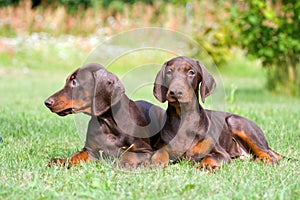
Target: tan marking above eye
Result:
[187, 67]
[172, 67]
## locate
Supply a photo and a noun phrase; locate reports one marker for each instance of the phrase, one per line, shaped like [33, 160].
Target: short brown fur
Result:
[117, 126]
[193, 133]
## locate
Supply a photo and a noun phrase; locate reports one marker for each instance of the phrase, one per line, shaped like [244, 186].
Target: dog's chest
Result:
[181, 134]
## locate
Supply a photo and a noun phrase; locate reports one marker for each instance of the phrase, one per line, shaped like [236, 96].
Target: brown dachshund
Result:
[118, 125]
[193, 133]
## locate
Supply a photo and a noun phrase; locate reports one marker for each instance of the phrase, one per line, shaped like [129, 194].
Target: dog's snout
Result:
[49, 102]
[176, 93]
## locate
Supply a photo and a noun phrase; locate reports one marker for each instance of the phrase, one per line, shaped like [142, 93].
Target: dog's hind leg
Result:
[252, 137]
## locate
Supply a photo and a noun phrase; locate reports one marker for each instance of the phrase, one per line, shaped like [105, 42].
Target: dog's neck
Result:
[122, 107]
[126, 113]
[182, 109]
[118, 116]
[116, 109]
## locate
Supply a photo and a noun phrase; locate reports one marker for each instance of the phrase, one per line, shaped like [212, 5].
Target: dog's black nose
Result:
[49, 102]
[176, 93]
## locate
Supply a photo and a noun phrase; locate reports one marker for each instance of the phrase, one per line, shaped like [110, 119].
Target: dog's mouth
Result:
[172, 100]
[65, 112]
[68, 111]
[178, 100]
[62, 109]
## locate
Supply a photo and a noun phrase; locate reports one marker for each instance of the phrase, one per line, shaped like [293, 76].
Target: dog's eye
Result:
[169, 72]
[191, 72]
[74, 82]
[110, 82]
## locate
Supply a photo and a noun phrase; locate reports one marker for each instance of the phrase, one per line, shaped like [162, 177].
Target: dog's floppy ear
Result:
[160, 90]
[108, 90]
[208, 83]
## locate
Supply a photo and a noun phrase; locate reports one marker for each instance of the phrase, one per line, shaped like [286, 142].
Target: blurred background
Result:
[234, 33]
[252, 45]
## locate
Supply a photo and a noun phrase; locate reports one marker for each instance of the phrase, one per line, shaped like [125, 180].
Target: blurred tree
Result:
[35, 3]
[210, 31]
[71, 5]
[8, 2]
[216, 42]
[270, 31]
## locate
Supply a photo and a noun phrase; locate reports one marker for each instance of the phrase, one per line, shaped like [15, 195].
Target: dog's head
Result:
[179, 81]
[90, 89]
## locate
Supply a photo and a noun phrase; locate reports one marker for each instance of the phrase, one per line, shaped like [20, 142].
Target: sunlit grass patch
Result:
[32, 135]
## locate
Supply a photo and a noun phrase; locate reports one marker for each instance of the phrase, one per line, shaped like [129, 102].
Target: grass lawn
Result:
[32, 135]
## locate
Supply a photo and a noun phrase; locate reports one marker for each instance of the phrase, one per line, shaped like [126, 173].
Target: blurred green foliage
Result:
[109, 3]
[6, 30]
[73, 5]
[216, 42]
[269, 30]
[8, 2]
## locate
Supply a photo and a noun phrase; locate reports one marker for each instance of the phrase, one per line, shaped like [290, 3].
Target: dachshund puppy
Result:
[118, 125]
[197, 134]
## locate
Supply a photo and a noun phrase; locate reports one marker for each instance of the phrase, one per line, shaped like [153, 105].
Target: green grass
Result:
[32, 135]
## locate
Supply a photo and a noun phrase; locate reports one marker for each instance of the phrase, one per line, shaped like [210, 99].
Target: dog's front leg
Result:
[76, 158]
[132, 160]
[216, 157]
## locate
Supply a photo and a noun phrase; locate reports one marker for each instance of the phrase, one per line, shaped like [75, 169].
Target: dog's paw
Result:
[132, 160]
[57, 162]
[210, 164]
[160, 159]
